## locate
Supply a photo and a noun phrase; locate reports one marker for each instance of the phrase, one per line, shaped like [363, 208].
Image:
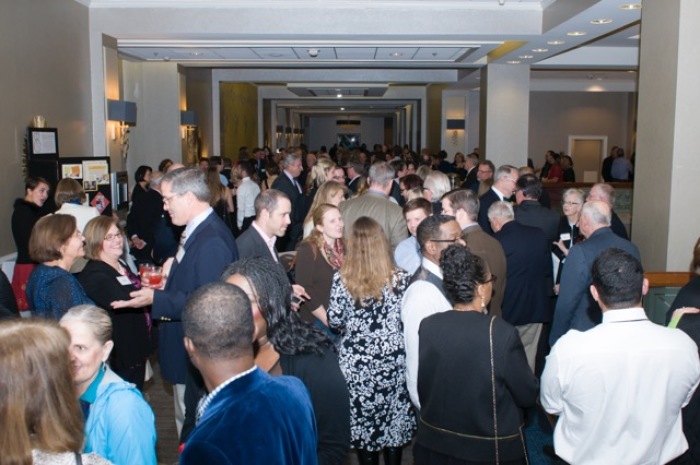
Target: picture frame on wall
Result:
[42, 143]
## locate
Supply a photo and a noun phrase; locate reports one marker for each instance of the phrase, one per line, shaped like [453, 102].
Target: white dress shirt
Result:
[245, 199]
[421, 300]
[618, 389]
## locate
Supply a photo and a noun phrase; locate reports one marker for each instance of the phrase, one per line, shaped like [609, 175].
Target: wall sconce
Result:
[455, 125]
[188, 121]
[123, 113]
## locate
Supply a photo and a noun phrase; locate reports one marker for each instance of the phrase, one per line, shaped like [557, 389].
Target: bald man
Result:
[576, 308]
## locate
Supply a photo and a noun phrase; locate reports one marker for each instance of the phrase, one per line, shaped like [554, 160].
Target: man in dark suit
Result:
[400, 171]
[529, 210]
[606, 193]
[356, 171]
[207, 246]
[502, 189]
[463, 204]
[287, 182]
[471, 165]
[272, 218]
[528, 278]
[245, 404]
[576, 308]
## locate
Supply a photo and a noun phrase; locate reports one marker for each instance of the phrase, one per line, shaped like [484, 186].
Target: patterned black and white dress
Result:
[372, 357]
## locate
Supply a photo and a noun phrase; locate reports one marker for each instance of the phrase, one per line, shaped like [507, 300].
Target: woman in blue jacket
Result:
[119, 424]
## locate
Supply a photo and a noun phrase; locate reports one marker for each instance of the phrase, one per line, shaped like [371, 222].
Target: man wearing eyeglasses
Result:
[206, 247]
[425, 296]
[502, 190]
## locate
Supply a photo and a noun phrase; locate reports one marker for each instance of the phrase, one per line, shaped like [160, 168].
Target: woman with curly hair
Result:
[473, 376]
[287, 345]
[365, 306]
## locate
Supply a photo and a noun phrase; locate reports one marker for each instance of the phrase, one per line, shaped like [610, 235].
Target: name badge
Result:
[565, 236]
[180, 255]
[124, 280]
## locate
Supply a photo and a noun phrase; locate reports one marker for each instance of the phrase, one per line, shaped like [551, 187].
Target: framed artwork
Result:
[42, 143]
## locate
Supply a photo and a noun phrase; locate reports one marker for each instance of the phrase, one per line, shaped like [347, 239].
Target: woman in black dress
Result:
[107, 278]
[473, 376]
[141, 220]
[287, 345]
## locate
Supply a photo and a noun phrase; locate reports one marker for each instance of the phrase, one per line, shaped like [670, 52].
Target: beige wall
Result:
[45, 71]
[199, 100]
[239, 117]
[554, 116]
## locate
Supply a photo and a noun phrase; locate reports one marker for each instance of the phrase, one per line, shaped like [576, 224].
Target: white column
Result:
[665, 223]
[504, 113]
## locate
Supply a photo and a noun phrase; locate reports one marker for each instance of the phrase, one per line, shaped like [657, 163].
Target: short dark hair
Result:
[398, 165]
[246, 167]
[530, 186]
[418, 204]
[219, 321]
[618, 277]
[462, 272]
[32, 182]
[411, 181]
[267, 200]
[429, 229]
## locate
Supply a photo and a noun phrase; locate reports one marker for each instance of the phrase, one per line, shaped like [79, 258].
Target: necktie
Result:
[181, 247]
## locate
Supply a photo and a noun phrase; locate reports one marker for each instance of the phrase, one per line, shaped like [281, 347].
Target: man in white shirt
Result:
[425, 296]
[619, 387]
[246, 193]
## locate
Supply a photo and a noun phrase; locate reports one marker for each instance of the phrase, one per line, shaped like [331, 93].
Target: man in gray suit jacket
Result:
[576, 308]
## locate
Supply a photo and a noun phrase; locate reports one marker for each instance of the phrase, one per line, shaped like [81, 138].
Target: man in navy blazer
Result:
[208, 247]
[530, 211]
[502, 189]
[248, 417]
[272, 218]
[287, 183]
[576, 308]
[528, 276]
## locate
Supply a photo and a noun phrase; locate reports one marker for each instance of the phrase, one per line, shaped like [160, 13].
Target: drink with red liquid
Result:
[151, 276]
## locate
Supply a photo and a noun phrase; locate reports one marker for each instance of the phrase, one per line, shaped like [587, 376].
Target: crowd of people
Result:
[312, 303]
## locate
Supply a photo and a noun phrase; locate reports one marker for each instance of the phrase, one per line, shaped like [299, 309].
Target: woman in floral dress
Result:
[365, 306]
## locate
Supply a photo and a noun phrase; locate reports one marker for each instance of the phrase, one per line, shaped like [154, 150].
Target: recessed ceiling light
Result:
[540, 50]
[602, 21]
[556, 42]
[513, 62]
[396, 54]
[339, 95]
[342, 108]
[196, 54]
[576, 33]
[631, 6]
[526, 57]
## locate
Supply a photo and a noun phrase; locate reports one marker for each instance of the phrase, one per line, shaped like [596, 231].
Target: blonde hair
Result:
[320, 172]
[368, 264]
[38, 405]
[324, 195]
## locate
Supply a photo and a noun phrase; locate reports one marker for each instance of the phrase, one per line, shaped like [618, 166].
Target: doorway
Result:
[588, 152]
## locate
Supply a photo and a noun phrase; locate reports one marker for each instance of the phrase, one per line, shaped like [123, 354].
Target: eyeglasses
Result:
[450, 241]
[111, 237]
[168, 199]
[492, 279]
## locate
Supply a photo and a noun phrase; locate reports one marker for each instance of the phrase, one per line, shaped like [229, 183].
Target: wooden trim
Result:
[668, 278]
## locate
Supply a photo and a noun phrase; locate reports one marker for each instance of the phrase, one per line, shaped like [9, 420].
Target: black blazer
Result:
[532, 213]
[295, 229]
[528, 274]
[251, 244]
[471, 178]
[485, 201]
